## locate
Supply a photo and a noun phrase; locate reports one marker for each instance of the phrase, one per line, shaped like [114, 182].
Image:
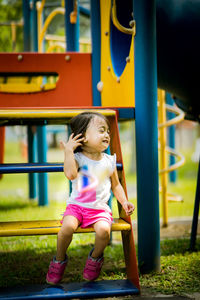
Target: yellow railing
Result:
[164, 151]
[119, 26]
[60, 41]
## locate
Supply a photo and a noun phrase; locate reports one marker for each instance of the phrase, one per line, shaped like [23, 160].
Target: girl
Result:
[86, 145]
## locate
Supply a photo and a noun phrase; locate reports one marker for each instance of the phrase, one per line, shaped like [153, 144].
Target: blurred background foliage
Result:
[10, 12]
[11, 24]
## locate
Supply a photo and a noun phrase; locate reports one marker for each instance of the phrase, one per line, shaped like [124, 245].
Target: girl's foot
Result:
[56, 271]
[92, 267]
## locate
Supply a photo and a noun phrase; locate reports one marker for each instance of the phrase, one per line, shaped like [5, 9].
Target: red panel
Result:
[74, 87]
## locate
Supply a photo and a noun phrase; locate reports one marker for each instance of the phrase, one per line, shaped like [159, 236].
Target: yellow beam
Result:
[47, 227]
[49, 114]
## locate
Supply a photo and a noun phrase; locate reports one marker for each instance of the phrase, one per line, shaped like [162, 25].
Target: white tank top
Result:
[101, 170]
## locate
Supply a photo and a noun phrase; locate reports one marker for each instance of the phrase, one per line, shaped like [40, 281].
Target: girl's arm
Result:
[119, 193]
[70, 164]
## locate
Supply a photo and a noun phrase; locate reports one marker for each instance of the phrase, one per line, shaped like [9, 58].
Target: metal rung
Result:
[47, 227]
[36, 168]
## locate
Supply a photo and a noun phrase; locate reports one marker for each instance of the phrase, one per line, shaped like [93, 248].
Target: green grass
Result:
[30, 256]
[25, 260]
[180, 269]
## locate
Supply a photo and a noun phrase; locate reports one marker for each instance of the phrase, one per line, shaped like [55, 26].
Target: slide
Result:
[178, 52]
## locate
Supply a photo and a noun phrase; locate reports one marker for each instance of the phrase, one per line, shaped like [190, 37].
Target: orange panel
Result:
[74, 87]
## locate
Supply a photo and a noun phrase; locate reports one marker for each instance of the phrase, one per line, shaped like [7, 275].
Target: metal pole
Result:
[28, 16]
[171, 139]
[34, 27]
[146, 135]
[195, 213]
[96, 50]
[27, 25]
[72, 38]
[71, 29]
[42, 158]
[163, 155]
[32, 159]
[41, 130]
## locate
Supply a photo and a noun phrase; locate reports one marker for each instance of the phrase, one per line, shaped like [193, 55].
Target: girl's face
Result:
[97, 136]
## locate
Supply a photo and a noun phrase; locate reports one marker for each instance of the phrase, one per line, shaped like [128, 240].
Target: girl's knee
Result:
[69, 226]
[66, 230]
[103, 230]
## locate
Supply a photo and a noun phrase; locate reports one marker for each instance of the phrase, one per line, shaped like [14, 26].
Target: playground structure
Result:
[165, 151]
[114, 75]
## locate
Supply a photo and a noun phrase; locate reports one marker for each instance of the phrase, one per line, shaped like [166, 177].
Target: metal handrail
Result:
[117, 24]
[175, 166]
[178, 119]
[59, 10]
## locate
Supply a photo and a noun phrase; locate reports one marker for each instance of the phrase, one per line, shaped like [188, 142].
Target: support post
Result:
[171, 139]
[146, 135]
[96, 50]
[28, 15]
[27, 25]
[72, 38]
[32, 159]
[2, 145]
[42, 158]
[193, 235]
[163, 155]
[34, 27]
[41, 130]
[71, 29]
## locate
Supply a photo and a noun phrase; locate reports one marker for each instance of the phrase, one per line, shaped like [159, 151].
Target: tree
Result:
[10, 11]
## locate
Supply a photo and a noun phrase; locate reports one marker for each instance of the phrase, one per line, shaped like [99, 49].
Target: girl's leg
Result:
[102, 229]
[64, 238]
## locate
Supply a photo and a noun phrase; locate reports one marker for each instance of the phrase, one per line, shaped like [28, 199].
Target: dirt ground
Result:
[176, 228]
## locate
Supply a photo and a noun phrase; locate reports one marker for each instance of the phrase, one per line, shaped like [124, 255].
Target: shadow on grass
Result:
[16, 205]
[25, 267]
[177, 246]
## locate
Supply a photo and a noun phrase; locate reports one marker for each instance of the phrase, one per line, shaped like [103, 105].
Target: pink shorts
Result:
[87, 216]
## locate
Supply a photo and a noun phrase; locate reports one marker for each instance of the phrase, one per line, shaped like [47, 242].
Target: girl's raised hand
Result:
[129, 208]
[73, 142]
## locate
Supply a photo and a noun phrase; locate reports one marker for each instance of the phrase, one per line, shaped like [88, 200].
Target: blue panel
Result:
[120, 42]
[71, 290]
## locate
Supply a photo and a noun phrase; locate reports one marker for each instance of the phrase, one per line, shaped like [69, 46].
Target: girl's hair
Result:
[80, 123]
